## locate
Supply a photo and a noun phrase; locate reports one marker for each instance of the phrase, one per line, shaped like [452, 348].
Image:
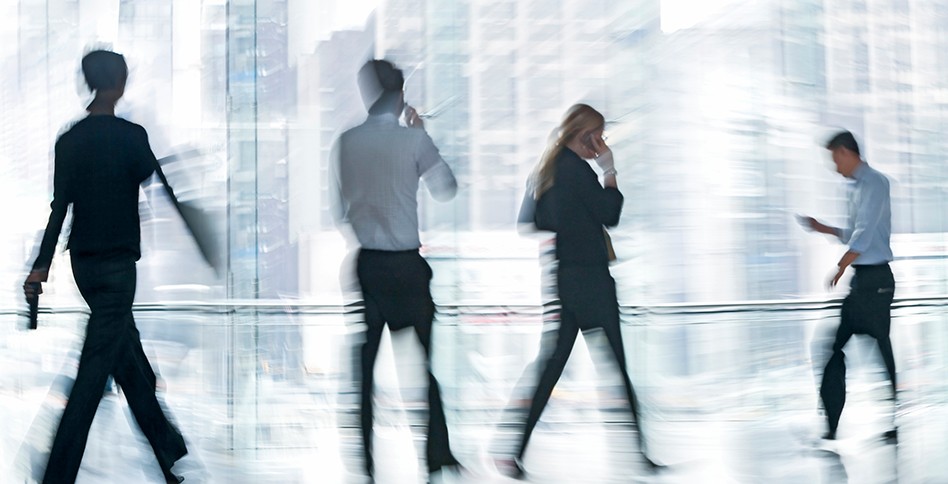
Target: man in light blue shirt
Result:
[867, 308]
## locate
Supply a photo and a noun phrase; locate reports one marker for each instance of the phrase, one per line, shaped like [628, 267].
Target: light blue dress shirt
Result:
[870, 217]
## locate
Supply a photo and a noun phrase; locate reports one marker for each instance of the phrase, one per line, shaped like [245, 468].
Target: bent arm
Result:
[604, 203]
[440, 182]
[432, 168]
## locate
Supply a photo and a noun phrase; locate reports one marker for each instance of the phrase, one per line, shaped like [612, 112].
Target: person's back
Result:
[380, 165]
[104, 159]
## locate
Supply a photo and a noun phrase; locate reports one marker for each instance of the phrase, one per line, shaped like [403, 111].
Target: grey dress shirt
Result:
[377, 166]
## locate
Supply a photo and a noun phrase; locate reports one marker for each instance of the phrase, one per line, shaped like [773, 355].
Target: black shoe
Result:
[172, 479]
[651, 465]
[511, 468]
[892, 436]
[450, 462]
[518, 471]
[830, 435]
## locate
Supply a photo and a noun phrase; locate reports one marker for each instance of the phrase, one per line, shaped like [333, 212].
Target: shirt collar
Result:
[383, 118]
[861, 171]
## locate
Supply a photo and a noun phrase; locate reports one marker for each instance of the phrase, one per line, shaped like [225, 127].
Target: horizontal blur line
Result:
[938, 257]
[778, 305]
[270, 308]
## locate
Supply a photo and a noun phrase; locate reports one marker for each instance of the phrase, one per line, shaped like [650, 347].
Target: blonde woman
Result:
[571, 202]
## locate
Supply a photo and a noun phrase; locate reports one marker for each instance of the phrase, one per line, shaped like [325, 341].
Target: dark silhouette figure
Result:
[867, 307]
[378, 166]
[99, 165]
[571, 202]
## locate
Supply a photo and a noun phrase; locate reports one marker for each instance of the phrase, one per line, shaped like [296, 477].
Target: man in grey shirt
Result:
[377, 166]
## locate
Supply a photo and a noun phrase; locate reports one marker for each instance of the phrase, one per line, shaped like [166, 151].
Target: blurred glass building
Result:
[717, 113]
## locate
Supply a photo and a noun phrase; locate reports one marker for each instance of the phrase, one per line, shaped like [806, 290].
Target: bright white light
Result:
[352, 13]
[683, 14]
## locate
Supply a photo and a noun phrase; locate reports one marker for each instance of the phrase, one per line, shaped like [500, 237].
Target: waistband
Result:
[387, 252]
[871, 267]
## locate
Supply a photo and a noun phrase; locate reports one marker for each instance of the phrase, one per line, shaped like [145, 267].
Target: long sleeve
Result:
[603, 204]
[146, 161]
[61, 200]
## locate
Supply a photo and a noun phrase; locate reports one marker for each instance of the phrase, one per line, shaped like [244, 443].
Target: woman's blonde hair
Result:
[579, 118]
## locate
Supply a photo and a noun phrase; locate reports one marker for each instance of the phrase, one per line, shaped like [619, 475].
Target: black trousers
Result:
[866, 310]
[112, 347]
[588, 298]
[395, 288]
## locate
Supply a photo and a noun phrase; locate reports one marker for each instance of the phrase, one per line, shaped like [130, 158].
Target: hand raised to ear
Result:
[412, 119]
[598, 144]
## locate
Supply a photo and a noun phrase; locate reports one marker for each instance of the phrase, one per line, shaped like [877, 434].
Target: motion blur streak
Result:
[717, 113]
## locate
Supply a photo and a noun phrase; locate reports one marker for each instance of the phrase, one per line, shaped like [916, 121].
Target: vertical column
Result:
[242, 223]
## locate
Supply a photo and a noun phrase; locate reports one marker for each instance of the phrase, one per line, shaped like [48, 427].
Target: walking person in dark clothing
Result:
[99, 165]
[571, 202]
[867, 308]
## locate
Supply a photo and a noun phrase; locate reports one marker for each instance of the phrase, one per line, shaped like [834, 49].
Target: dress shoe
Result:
[511, 468]
[172, 479]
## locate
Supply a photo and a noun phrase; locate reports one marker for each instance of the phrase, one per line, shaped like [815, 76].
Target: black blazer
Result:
[576, 208]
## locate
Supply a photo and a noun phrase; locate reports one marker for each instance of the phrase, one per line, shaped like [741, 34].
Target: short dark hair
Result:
[390, 77]
[104, 70]
[843, 139]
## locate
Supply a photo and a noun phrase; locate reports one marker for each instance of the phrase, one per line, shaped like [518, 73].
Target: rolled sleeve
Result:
[844, 234]
[432, 168]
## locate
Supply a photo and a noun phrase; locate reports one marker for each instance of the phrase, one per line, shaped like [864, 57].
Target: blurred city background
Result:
[717, 111]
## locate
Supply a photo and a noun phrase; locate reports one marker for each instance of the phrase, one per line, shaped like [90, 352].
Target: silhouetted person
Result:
[378, 165]
[867, 307]
[571, 202]
[99, 165]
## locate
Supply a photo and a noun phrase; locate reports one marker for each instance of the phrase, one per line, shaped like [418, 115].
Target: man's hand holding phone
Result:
[811, 223]
[412, 119]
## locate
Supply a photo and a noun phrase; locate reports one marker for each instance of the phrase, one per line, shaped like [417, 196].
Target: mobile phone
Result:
[588, 141]
[33, 302]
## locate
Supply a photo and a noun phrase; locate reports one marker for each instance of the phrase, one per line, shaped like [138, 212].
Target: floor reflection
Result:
[266, 397]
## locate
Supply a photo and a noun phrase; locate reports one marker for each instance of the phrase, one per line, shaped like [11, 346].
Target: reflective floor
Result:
[267, 396]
